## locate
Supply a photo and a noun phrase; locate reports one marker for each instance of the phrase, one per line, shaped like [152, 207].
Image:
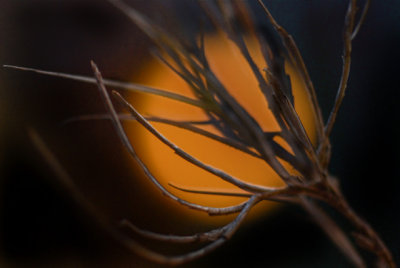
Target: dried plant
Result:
[311, 184]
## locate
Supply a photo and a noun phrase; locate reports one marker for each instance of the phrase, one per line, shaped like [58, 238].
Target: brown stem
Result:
[365, 235]
[377, 246]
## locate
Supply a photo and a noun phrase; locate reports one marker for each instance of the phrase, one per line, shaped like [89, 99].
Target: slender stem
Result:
[198, 237]
[118, 84]
[214, 98]
[190, 126]
[349, 29]
[210, 192]
[122, 135]
[297, 59]
[372, 240]
[361, 20]
[217, 172]
[229, 230]
[365, 235]
[334, 232]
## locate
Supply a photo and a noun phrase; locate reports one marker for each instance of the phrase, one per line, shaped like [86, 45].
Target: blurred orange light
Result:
[235, 74]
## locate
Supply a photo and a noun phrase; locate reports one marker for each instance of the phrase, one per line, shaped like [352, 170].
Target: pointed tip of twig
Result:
[177, 187]
[94, 67]
[173, 185]
[115, 92]
[361, 20]
[180, 188]
[14, 67]
[119, 97]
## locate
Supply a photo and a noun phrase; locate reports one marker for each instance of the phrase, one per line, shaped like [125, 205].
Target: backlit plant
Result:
[307, 183]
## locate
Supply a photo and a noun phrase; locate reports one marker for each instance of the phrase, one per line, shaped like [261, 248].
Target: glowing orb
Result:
[235, 74]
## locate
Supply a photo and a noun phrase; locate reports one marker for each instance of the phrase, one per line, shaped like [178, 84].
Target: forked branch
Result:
[238, 130]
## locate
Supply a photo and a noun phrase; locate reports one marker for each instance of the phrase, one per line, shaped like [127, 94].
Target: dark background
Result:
[42, 227]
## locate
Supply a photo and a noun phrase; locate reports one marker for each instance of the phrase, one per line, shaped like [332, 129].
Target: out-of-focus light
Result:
[235, 74]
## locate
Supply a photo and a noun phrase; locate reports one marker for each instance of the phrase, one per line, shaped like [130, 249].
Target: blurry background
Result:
[41, 227]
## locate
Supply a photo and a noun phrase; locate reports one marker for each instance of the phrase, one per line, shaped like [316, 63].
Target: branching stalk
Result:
[310, 185]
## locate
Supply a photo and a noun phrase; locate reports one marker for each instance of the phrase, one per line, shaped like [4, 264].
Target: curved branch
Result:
[333, 231]
[347, 47]
[226, 177]
[118, 84]
[361, 20]
[189, 125]
[230, 229]
[198, 237]
[297, 59]
[219, 193]
[121, 133]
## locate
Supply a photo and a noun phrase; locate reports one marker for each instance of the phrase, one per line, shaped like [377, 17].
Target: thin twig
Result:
[168, 43]
[363, 229]
[361, 20]
[121, 133]
[176, 260]
[333, 231]
[226, 177]
[199, 237]
[65, 181]
[113, 83]
[348, 32]
[240, 131]
[285, 194]
[126, 116]
[189, 125]
[277, 102]
[297, 59]
[208, 192]
[183, 239]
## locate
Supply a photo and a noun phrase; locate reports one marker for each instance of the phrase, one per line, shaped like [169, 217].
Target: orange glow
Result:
[233, 71]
